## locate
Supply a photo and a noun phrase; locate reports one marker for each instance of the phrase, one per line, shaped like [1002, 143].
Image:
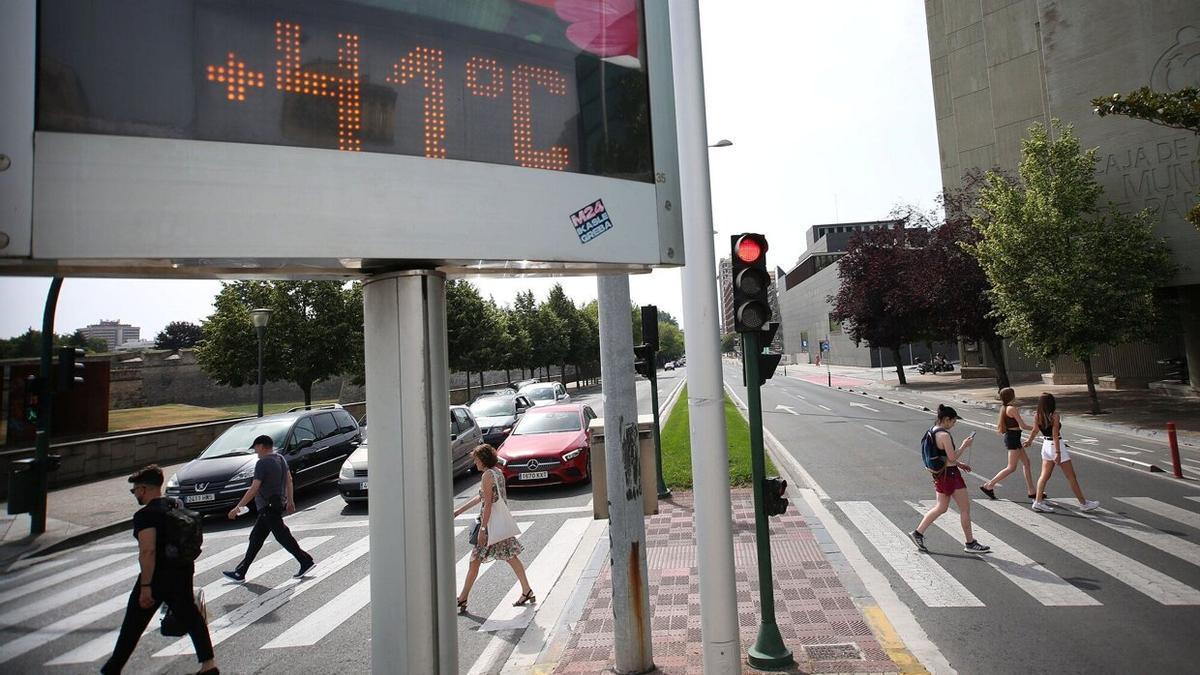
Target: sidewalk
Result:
[75, 515]
[820, 623]
[1136, 411]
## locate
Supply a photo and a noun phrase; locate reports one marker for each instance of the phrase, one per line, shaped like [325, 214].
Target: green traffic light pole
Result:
[768, 652]
[663, 492]
[41, 454]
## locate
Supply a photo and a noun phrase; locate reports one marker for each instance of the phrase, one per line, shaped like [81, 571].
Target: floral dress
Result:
[500, 550]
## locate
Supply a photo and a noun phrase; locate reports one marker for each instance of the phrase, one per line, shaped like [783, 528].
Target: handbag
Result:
[501, 525]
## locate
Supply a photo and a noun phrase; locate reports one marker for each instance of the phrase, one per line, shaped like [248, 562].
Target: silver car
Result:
[545, 393]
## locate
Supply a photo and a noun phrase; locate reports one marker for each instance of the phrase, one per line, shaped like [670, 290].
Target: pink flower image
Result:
[604, 27]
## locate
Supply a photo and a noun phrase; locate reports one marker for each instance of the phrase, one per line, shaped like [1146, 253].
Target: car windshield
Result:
[237, 439]
[494, 406]
[541, 393]
[547, 423]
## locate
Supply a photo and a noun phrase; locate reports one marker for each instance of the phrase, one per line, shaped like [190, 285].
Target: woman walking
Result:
[491, 491]
[1054, 451]
[948, 482]
[1010, 425]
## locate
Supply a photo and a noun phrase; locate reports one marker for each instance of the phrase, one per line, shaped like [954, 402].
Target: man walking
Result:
[159, 579]
[272, 495]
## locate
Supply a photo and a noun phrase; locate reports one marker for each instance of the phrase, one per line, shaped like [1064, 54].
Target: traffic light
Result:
[33, 393]
[774, 501]
[751, 310]
[70, 370]
[767, 362]
[650, 326]
[643, 360]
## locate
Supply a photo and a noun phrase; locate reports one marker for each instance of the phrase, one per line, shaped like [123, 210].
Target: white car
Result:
[545, 393]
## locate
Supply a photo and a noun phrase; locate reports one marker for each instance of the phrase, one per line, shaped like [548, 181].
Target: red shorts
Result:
[948, 481]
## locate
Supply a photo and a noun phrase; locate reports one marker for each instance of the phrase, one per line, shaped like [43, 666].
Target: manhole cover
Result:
[833, 652]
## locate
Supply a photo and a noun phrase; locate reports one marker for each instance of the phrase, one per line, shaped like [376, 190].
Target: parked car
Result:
[550, 445]
[314, 441]
[502, 391]
[496, 415]
[525, 383]
[670, 365]
[464, 436]
[546, 393]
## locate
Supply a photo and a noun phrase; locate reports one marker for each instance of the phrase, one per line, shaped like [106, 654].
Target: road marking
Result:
[932, 583]
[18, 615]
[878, 431]
[1134, 447]
[1141, 578]
[460, 568]
[33, 571]
[102, 646]
[322, 621]
[1195, 499]
[1189, 461]
[542, 575]
[825, 407]
[232, 623]
[241, 534]
[59, 577]
[1043, 585]
[864, 406]
[1167, 543]
[797, 396]
[787, 408]
[1171, 512]
[1125, 452]
[536, 512]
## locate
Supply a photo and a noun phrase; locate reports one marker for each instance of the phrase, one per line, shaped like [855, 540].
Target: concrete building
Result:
[805, 308]
[725, 284]
[114, 333]
[998, 66]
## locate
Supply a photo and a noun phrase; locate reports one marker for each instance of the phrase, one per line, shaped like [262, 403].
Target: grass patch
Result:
[178, 413]
[677, 447]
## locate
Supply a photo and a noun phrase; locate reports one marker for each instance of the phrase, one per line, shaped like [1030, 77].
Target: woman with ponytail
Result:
[1054, 452]
[1010, 425]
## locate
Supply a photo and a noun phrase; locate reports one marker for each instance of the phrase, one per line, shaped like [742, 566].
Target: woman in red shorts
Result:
[949, 483]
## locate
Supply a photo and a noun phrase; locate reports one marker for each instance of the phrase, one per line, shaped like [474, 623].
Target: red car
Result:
[551, 445]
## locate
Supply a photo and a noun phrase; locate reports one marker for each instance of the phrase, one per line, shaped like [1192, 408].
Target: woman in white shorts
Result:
[1054, 451]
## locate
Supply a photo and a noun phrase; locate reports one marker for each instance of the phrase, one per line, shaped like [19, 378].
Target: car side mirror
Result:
[454, 437]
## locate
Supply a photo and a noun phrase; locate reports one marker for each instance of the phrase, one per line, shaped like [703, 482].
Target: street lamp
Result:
[260, 317]
[723, 143]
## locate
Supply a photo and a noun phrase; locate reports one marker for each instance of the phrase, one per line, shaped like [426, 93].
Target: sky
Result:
[830, 110]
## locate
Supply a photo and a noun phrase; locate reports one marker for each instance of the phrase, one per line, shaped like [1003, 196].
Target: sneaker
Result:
[1043, 507]
[1089, 505]
[919, 540]
[976, 547]
[236, 575]
[304, 568]
[991, 494]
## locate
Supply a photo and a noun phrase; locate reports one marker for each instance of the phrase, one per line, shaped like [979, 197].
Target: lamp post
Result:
[723, 143]
[260, 317]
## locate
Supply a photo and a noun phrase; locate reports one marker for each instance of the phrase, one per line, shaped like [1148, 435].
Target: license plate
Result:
[192, 499]
[533, 475]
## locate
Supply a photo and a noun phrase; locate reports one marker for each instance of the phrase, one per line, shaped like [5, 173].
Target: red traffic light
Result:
[749, 250]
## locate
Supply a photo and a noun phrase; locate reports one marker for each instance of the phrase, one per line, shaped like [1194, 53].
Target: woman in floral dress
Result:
[491, 490]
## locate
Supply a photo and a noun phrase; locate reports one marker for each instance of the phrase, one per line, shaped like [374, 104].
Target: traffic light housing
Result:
[70, 368]
[643, 360]
[751, 309]
[650, 326]
[775, 502]
[33, 393]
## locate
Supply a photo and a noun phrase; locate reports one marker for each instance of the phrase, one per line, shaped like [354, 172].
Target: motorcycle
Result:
[1176, 369]
[934, 366]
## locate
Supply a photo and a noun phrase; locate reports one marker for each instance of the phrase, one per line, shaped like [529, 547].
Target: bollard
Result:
[1175, 468]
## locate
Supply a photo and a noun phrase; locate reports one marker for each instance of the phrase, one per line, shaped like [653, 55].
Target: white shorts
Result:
[1048, 450]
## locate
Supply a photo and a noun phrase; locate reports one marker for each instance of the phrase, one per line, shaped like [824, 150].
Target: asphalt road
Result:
[60, 614]
[1117, 590]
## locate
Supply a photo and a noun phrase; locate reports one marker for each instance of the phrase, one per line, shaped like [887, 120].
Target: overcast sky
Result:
[830, 109]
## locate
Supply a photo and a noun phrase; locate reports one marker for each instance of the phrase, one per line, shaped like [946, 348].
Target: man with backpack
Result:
[945, 465]
[271, 491]
[169, 537]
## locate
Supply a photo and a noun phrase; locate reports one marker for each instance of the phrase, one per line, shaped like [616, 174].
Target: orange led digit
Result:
[345, 87]
[493, 85]
[557, 156]
[427, 64]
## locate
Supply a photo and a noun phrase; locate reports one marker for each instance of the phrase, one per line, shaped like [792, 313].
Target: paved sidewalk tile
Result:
[818, 620]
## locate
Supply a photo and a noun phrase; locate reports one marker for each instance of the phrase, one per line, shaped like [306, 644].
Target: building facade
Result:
[114, 333]
[999, 66]
[725, 284]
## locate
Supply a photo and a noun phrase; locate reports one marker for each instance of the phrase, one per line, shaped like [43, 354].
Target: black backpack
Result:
[182, 534]
[931, 455]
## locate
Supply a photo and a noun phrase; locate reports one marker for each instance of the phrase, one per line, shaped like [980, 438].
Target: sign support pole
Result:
[622, 450]
[413, 624]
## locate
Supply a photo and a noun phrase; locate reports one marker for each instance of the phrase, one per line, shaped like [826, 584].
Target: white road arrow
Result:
[864, 406]
[787, 408]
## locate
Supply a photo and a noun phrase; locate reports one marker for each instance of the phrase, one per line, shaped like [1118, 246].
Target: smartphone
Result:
[972, 435]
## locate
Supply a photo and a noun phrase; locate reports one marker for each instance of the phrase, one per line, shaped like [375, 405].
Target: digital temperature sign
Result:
[556, 85]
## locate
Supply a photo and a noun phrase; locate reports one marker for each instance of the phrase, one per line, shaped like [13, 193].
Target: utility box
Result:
[20, 486]
[646, 464]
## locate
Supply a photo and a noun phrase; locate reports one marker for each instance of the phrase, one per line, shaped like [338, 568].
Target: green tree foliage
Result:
[308, 339]
[729, 343]
[670, 340]
[1067, 273]
[179, 335]
[470, 328]
[28, 345]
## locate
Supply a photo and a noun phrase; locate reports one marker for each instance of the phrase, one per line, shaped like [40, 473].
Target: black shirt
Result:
[153, 514]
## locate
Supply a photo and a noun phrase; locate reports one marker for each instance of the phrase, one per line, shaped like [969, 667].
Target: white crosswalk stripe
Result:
[33, 571]
[1167, 543]
[932, 583]
[60, 577]
[1138, 576]
[102, 646]
[18, 615]
[309, 630]
[1168, 511]
[1043, 585]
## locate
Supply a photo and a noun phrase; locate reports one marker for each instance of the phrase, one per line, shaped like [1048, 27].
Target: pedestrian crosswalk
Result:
[1042, 554]
[63, 614]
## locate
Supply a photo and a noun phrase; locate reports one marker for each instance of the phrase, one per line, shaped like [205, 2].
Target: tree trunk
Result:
[306, 387]
[562, 374]
[508, 376]
[468, 385]
[995, 346]
[1091, 382]
[899, 366]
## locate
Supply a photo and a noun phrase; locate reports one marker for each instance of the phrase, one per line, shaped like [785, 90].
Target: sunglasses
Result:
[133, 490]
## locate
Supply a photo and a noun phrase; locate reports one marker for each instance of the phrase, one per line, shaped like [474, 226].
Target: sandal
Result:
[525, 597]
[462, 606]
[990, 493]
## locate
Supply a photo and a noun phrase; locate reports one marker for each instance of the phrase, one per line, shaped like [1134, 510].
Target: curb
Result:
[72, 541]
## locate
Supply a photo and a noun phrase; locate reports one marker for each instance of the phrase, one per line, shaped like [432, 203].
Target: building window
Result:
[834, 325]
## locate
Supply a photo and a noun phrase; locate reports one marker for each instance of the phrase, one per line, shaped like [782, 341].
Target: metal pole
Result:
[768, 652]
[622, 456]
[261, 330]
[41, 453]
[706, 396]
[414, 628]
[1176, 469]
[663, 492]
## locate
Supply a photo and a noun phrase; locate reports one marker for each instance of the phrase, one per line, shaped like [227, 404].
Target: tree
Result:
[573, 328]
[305, 343]
[525, 314]
[81, 341]
[729, 343]
[512, 345]
[179, 335]
[469, 328]
[29, 344]
[878, 302]
[670, 341]
[1172, 109]
[1067, 274]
